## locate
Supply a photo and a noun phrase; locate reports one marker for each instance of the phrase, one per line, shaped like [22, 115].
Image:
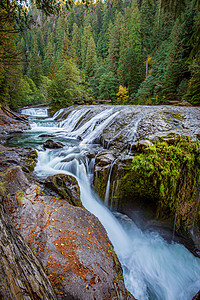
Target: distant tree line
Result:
[127, 52]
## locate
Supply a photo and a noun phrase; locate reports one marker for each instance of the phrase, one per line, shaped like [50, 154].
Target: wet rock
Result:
[52, 144]
[14, 179]
[21, 274]
[197, 296]
[70, 242]
[104, 159]
[26, 158]
[66, 186]
[46, 135]
[141, 144]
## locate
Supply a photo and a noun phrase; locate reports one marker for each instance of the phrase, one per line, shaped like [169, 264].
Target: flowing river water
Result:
[153, 268]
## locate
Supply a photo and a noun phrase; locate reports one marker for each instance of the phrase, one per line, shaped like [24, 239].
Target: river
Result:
[153, 268]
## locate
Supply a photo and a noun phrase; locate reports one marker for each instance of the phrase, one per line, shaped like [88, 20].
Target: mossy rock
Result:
[65, 186]
[167, 176]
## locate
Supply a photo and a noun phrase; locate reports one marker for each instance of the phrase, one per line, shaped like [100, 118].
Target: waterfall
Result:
[153, 269]
[35, 112]
[106, 199]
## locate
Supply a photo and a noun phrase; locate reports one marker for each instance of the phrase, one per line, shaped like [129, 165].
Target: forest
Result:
[112, 51]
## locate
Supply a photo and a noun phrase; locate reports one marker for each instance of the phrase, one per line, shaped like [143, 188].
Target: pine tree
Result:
[131, 71]
[91, 59]
[35, 64]
[114, 43]
[87, 33]
[49, 55]
[76, 41]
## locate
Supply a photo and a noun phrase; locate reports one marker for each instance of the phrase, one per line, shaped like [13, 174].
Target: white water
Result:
[106, 199]
[153, 269]
[39, 112]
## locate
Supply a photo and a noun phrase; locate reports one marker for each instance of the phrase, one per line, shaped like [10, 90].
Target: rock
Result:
[69, 241]
[46, 135]
[197, 296]
[26, 158]
[52, 144]
[14, 180]
[66, 186]
[141, 144]
[11, 122]
[21, 274]
[104, 159]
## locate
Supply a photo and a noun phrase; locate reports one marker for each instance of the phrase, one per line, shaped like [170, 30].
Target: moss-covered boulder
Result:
[65, 186]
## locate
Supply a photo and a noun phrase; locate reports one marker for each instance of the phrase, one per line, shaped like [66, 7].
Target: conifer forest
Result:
[118, 51]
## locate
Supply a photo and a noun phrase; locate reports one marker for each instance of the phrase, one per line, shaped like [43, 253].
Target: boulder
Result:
[69, 241]
[65, 186]
[52, 144]
[104, 159]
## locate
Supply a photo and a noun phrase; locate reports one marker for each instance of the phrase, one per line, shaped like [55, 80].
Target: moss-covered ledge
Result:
[167, 174]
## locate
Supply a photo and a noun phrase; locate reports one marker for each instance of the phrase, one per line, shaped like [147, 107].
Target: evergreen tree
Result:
[108, 86]
[66, 87]
[193, 91]
[76, 41]
[91, 59]
[35, 64]
[49, 55]
[114, 43]
[87, 33]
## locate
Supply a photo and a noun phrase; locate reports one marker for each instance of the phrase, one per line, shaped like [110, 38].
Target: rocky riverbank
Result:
[49, 247]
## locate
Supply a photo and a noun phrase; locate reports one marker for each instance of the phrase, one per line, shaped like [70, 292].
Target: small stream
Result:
[153, 268]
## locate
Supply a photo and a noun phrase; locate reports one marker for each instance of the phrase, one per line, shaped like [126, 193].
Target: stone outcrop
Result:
[21, 274]
[26, 158]
[69, 241]
[50, 144]
[66, 187]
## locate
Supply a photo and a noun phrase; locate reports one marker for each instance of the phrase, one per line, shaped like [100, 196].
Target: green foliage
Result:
[169, 174]
[193, 91]
[145, 90]
[66, 87]
[108, 86]
[119, 36]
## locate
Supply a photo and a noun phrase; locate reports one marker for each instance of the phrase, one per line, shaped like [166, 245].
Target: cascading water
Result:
[153, 269]
[108, 183]
[35, 112]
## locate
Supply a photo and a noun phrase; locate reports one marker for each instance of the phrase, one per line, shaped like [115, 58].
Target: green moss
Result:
[174, 115]
[168, 175]
[30, 164]
[2, 189]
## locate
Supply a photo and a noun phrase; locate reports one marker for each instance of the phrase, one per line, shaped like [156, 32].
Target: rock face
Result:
[26, 158]
[197, 296]
[21, 274]
[52, 144]
[69, 241]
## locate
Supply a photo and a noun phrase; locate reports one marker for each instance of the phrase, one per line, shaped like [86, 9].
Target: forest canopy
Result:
[119, 51]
